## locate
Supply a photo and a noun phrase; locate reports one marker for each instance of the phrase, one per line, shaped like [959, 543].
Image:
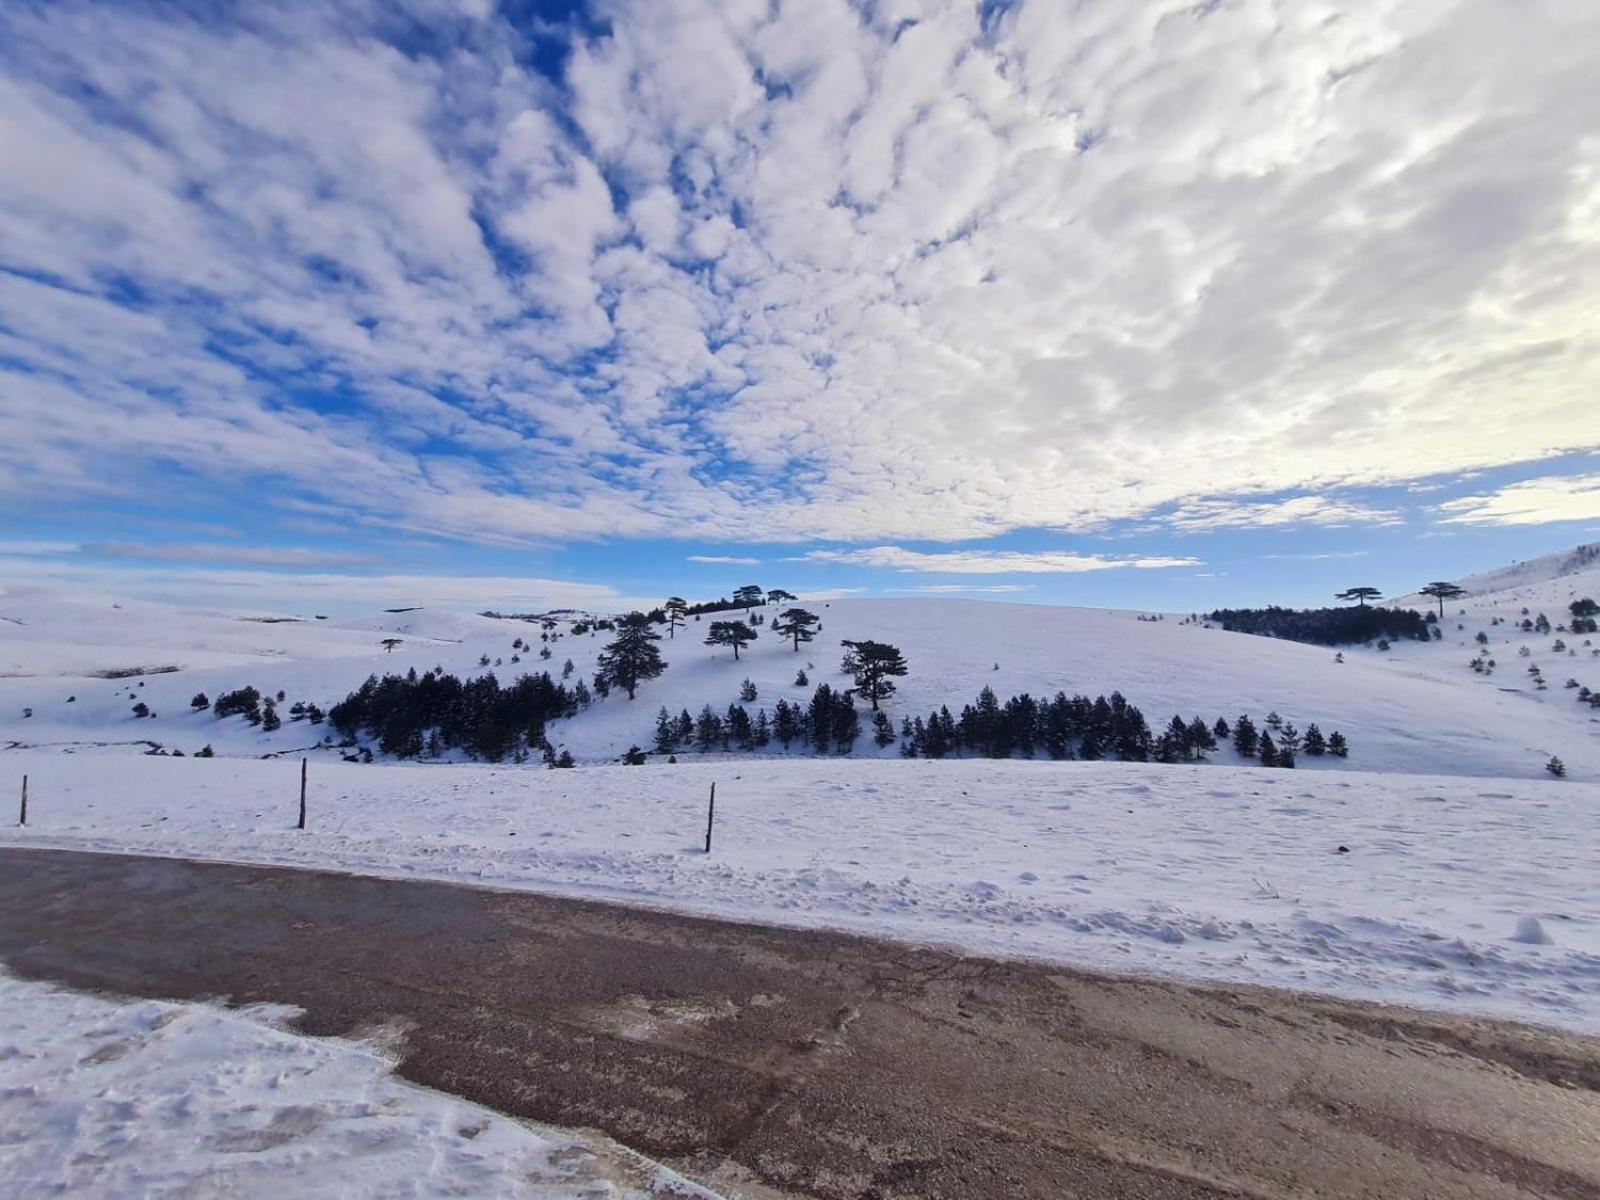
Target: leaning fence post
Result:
[711, 815]
[302, 824]
[23, 819]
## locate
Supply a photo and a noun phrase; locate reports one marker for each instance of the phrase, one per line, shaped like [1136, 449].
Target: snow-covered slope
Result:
[1414, 708]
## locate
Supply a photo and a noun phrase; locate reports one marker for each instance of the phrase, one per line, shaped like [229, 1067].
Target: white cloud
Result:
[1299, 510]
[943, 588]
[260, 556]
[730, 559]
[1531, 502]
[993, 562]
[319, 591]
[777, 272]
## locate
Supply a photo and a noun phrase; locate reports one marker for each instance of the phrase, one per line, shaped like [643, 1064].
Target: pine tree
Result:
[633, 657]
[200, 703]
[801, 679]
[1269, 752]
[1556, 767]
[684, 729]
[1315, 745]
[882, 731]
[762, 733]
[785, 723]
[665, 741]
[730, 633]
[270, 720]
[708, 730]
[1244, 737]
[875, 663]
[1201, 742]
[749, 596]
[675, 610]
[821, 714]
[739, 726]
[1221, 730]
[846, 722]
[796, 624]
[1337, 746]
[747, 691]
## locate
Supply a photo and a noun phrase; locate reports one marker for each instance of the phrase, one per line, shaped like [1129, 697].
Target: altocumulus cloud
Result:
[758, 272]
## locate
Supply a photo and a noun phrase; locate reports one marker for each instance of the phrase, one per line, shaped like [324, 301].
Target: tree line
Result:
[1325, 626]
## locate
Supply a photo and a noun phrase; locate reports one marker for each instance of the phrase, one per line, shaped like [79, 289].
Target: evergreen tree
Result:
[200, 703]
[801, 679]
[1314, 744]
[747, 691]
[796, 624]
[739, 726]
[1200, 742]
[685, 728]
[633, 657]
[1244, 737]
[1359, 594]
[676, 611]
[846, 722]
[779, 596]
[1221, 730]
[730, 633]
[762, 733]
[270, 720]
[1172, 745]
[785, 723]
[1337, 746]
[1441, 591]
[708, 730]
[1269, 752]
[822, 717]
[666, 742]
[882, 731]
[749, 596]
[876, 664]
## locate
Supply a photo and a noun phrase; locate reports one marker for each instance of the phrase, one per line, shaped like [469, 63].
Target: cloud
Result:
[993, 562]
[942, 588]
[1531, 502]
[787, 272]
[1298, 510]
[260, 556]
[318, 591]
[734, 559]
[20, 546]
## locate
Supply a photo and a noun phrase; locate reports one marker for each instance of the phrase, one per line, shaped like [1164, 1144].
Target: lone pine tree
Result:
[796, 624]
[873, 664]
[730, 633]
[632, 658]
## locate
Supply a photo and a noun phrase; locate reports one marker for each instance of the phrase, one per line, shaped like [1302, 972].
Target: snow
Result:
[118, 1098]
[1417, 708]
[1465, 883]
[1223, 872]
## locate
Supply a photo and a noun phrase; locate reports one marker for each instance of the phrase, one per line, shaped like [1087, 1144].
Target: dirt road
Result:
[773, 1062]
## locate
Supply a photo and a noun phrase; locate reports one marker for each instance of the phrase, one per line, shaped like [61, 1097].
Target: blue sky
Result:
[1143, 304]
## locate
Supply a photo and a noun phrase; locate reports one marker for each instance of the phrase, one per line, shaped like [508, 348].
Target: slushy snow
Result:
[140, 1098]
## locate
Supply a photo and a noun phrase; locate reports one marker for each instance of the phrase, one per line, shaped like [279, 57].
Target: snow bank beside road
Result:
[1215, 872]
[142, 1098]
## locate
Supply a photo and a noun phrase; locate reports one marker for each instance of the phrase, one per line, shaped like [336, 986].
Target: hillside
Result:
[1416, 708]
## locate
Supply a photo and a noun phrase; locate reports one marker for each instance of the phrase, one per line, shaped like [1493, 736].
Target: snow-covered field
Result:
[1417, 708]
[104, 1097]
[1466, 894]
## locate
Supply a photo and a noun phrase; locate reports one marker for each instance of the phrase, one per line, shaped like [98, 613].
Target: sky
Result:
[1140, 303]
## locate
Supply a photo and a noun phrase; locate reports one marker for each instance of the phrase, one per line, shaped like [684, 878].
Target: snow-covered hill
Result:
[1416, 708]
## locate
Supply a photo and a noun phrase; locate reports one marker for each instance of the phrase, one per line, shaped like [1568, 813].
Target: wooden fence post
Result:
[302, 824]
[711, 815]
[23, 819]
